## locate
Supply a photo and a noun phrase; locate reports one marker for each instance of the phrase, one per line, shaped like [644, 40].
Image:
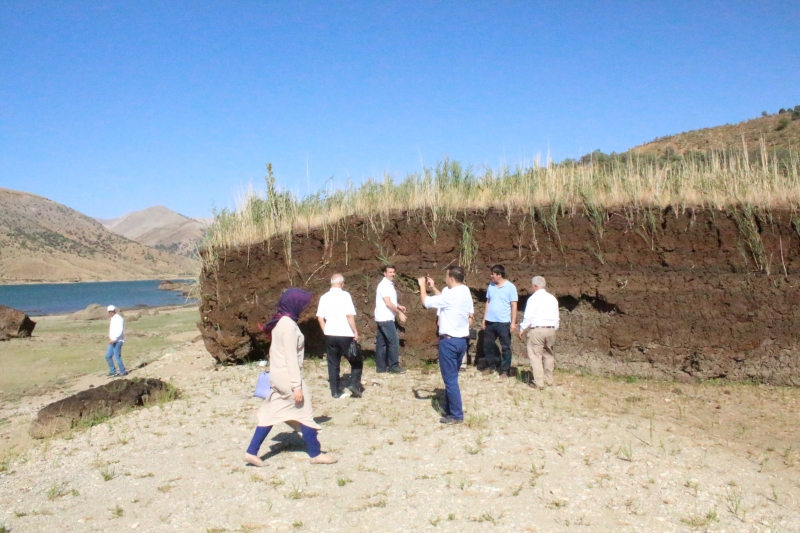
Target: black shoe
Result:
[450, 420]
[355, 392]
[397, 370]
[381, 371]
[111, 375]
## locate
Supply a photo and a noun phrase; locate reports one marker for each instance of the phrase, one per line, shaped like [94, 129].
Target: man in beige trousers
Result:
[541, 317]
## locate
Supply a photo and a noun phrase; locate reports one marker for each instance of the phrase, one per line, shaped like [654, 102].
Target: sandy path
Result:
[573, 458]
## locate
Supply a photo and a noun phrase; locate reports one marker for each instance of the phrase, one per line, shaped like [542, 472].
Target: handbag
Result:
[354, 354]
[262, 386]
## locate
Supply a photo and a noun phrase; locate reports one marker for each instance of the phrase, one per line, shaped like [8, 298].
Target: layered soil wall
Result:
[695, 294]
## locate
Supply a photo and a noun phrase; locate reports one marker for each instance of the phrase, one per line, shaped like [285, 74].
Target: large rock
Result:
[177, 286]
[92, 406]
[92, 312]
[14, 324]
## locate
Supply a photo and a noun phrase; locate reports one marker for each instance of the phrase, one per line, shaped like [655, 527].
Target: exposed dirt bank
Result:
[693, 294]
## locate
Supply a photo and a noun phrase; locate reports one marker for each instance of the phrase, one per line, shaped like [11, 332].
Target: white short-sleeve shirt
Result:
[385, 288]
[454, 306]
[334, 306]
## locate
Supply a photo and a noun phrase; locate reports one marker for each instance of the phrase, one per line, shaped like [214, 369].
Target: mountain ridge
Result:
[42, 240]
[159, 227]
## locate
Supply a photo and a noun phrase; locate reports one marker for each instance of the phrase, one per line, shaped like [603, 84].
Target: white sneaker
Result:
[345, 394]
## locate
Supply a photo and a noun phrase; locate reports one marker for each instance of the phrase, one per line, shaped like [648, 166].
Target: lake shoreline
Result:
[20, 283]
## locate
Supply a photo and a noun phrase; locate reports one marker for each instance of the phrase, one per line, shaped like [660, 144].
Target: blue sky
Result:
[110, 107]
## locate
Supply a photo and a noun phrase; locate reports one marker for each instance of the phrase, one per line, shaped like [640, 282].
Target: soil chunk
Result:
[680, 295]
[87, 407]
[14, 324]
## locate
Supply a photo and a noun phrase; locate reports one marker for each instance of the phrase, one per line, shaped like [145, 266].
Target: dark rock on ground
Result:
[14, 324]
[178, 286]
[94, 405]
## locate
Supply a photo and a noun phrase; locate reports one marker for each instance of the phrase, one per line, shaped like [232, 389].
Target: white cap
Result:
[111, 308]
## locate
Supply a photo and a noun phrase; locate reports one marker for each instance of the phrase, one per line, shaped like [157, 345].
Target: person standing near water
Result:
[116, 336]
[289, 398]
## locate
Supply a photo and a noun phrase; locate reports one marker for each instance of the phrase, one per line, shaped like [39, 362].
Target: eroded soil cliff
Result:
[666, 294]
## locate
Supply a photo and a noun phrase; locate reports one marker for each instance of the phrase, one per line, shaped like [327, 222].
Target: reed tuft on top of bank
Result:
[716, 180]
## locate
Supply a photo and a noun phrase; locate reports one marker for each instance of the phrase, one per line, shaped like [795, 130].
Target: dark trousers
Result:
[494, 331]
[336, 348]
[450, 352]
[387, 346]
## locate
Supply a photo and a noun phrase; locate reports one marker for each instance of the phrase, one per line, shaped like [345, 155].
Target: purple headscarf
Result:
[291, 304]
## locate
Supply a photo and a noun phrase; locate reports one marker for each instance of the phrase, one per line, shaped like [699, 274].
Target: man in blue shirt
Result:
[499, 321]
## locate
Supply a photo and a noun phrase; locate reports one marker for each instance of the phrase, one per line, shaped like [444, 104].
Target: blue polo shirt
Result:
[500, 299]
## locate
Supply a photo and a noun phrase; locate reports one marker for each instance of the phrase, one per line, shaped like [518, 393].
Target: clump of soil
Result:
[650, 293]
[14, 324]
[91, 406]
[92, 312]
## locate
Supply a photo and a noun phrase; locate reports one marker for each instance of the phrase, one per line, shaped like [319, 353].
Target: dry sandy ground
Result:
[589, 455]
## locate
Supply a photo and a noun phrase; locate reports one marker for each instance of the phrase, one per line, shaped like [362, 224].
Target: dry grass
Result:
[437, 195]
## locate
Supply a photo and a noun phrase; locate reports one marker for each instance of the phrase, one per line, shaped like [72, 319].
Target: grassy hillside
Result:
[41, 240]
[779, 132]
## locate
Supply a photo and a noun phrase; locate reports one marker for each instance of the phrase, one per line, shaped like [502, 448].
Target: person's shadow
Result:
[290, 440]
[436, 397]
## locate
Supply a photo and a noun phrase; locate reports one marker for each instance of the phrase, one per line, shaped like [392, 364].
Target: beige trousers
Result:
[541, 342]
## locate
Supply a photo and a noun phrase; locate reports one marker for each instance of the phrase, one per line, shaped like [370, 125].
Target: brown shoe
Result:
[488, 371]
[504, 375]
[253, 460]
[323, 459]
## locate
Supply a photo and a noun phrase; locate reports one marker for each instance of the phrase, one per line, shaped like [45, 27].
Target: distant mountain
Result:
[780, 131]
[160, 228]
[41, 240]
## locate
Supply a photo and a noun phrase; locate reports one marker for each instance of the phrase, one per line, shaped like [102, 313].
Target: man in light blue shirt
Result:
[499, 321]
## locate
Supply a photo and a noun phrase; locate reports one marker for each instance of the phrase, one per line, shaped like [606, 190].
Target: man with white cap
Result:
[115, 339]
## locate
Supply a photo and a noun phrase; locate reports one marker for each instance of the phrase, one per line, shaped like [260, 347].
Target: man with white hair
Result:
[116, 337]
[337, 318]
[541, 316]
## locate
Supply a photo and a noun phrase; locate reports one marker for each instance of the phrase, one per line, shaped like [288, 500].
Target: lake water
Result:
[60, 298]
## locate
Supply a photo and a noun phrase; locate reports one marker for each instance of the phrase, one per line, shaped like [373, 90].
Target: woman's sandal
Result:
[253, 460]
[323, 459]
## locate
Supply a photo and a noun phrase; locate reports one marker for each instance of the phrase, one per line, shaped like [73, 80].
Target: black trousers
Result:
[336, 348]
[497, 331]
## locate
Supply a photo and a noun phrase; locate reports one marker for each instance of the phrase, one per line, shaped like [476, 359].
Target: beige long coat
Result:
[285, 366]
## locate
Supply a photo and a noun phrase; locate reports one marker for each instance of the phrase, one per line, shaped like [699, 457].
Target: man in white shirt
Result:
[116, 337]
[541, 316]
[337, 318]
[387, 343]
[455, 306]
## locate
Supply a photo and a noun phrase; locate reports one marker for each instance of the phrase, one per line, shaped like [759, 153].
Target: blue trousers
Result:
[309, 436]
[387, 346]
[114, 353]
[450, 352]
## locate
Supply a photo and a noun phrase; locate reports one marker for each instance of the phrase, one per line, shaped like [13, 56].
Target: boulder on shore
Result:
[14, 324]
[177, 286]
[92, 312]
[92, 406]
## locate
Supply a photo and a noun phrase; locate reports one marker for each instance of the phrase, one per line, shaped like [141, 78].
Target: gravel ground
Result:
[588, 455]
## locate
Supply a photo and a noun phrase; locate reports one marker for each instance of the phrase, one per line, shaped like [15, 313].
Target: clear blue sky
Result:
[114, 106]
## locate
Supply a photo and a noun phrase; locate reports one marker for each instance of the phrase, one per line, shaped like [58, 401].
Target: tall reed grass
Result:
[719, 180]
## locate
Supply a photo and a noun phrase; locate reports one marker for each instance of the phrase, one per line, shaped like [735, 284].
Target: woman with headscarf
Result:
[289, 400]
